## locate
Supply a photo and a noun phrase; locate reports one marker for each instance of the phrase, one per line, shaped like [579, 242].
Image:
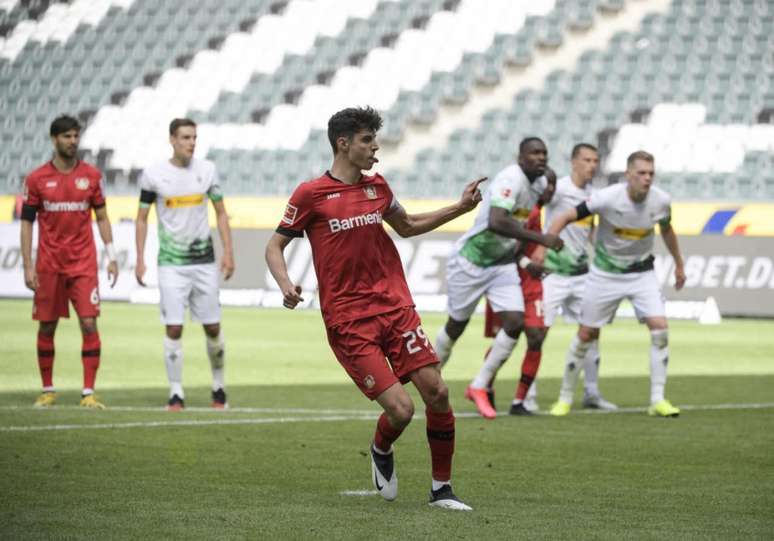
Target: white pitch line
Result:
[163, 409]
[190, 422]
[358, 493]
[355, 415]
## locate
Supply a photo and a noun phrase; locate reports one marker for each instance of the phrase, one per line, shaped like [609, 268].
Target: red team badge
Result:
[370, 192]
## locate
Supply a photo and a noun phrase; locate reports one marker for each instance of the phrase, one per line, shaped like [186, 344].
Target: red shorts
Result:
[55, 290]
[380, 351]
[532, 290]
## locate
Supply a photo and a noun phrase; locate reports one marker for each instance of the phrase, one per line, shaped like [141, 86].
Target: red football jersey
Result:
[359, 272]
[64, 202]
[533, 223]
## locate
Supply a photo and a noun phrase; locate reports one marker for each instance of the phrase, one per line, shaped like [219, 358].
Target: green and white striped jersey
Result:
[511, 190]
[573, 259]
[626, 228]
[181, 195]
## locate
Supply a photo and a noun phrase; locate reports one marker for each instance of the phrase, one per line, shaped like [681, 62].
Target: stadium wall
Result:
[737, 270]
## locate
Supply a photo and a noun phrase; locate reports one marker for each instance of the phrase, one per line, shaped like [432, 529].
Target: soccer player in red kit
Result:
[61, 194]
[530, 273]
[366, 305]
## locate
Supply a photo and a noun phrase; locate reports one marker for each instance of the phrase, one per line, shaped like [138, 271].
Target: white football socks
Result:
[659, 358]
[216, 352]
[591, 369]
[574, 360]
[443, 346]
[502, 347]
[173, 358]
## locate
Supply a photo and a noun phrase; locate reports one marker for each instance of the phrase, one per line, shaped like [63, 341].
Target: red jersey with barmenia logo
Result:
[358, 268]
[64, 202]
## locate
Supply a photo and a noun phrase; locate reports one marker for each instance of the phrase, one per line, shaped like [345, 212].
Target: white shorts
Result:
[605, 291]
[565, 293]
[196, 286]
[466, 283]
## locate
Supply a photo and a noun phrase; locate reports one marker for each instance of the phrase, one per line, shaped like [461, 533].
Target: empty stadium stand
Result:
[694, 84]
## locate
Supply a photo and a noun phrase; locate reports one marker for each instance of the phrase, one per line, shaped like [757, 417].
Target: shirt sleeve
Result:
[598, 201]
[215, 192]
[502, 192]
[393, 205]
[298, 212]
[30, 200]
[665, 217]
[98, 194]
[30, 195]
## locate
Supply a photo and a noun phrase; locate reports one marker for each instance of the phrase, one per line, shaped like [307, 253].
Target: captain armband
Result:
[582, 210]
[28, 212]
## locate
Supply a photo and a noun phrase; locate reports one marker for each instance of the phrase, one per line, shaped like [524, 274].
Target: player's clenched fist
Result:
[553, 242]
[471, 196]
[291, 296]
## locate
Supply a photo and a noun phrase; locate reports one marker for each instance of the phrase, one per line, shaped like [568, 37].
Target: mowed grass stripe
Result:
[355, 416]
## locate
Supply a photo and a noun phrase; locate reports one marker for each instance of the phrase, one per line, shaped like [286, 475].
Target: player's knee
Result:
[454, 328]
[212, 330]
[587, 334]
[174, 332]
[47, 328]
[401, 413]
[535, 337]
[513, 323]
[438, 396]
[659, 338]
[88, 325]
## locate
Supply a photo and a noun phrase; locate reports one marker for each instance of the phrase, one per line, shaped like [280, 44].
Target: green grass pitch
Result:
[289, 461]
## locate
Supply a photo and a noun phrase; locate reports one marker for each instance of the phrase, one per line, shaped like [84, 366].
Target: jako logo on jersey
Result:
[290, 214]
[65, 206]
[51, 184]
[82, 183]
[333, 195]
[337, 225]
[370, 192]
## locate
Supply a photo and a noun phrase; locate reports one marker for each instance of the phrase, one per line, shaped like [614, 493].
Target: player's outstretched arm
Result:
[409, 225]
[501, 222]
[106, 233]
[561, 221]
[140, 235]
[670, 239]
[224, 230]
[275, 259]
[30, 275]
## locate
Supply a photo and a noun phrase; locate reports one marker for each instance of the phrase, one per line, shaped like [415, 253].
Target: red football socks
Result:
[90, 353]
[46, 359]
[440, 436]
[529, 369]
[385, 434]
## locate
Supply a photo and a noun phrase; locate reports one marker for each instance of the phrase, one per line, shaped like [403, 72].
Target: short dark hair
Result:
[64, 123]
[639, 155]
[179, 123]
[528, 140]
[580, 146]
[349, 121]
